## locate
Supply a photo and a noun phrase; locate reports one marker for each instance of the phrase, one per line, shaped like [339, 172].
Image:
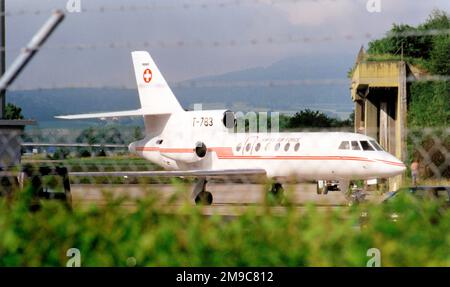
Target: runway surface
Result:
[229, 199]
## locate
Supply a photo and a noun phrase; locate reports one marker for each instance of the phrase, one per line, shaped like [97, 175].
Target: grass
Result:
[109, 235]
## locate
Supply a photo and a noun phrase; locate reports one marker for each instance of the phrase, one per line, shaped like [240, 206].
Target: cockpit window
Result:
[366, 146]
[344, 145]
[355, 145]
[376, 145]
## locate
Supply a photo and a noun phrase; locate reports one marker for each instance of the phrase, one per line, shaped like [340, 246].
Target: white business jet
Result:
[203, 144]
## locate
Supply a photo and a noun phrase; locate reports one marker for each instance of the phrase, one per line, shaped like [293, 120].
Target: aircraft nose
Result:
[395, 165]
[399, 169]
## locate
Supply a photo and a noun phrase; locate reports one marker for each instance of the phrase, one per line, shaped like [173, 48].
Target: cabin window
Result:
[247, 148]
[344, 145]
[366, 146]
[159, 141]
[257, 147]
[286, 146]
[239, 146]
[297, 146]
[267, 147]
[376, 145]
[355, 145]
[277, 146]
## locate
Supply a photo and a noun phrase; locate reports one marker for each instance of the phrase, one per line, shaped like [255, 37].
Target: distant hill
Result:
[240, 90]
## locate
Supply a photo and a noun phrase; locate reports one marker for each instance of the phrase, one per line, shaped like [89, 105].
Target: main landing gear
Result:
[200, 195]
[324, 186]
[203, 197]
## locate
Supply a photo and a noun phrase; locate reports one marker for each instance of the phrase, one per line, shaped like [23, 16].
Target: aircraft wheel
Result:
[204, 198]
[275, 195]
[321, 187]
[277, 189]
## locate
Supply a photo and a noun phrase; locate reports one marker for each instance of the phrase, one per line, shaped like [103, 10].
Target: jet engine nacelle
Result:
[197, 153]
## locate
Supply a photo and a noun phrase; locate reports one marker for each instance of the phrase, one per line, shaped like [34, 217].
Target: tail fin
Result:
[157, 100]
[154, 93]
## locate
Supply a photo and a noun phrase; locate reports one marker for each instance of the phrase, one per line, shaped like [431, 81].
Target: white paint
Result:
[173, 134]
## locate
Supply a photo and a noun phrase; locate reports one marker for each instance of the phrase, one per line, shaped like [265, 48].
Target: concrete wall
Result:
[379, 90]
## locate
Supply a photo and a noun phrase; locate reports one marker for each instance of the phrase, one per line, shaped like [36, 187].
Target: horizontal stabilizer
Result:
[31, 144]
[131, 113]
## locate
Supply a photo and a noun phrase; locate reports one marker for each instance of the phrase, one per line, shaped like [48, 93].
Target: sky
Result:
[191, 39]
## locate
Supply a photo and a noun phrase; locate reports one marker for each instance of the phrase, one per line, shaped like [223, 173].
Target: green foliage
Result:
[429, 107]
[431, 50]
[429, 104]
[316, 119]
[303, 119]
[435, 142]
[108, 134]
[100, 135]
[398, 39]
[137, 133]
[440, 56]
[13, 112]
[60, 153]
[156, 235]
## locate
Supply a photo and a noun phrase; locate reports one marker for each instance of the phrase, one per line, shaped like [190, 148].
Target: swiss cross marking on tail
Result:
[148, 75]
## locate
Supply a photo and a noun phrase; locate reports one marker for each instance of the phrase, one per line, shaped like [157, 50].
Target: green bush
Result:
[156, 235]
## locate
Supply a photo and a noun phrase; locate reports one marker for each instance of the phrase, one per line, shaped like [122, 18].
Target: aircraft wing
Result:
[177, 173]
[131, 113]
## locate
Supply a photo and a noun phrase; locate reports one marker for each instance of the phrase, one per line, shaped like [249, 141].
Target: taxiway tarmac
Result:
[229, 199]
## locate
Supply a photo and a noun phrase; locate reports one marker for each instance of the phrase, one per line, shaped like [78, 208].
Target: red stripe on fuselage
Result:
[227, 153]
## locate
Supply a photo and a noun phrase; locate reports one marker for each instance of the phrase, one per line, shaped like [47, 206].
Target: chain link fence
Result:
[60, 152]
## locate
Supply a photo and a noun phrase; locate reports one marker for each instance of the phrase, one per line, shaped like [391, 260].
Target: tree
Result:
[440, 56]
[137, 133]
[13, 112]
[308, 118]
[101, 135]
[421, 46]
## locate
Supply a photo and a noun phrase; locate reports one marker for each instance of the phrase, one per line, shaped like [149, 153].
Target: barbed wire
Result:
[419, 33]
[223, 84]
[203, 5]
[270, 40]
[232, 43]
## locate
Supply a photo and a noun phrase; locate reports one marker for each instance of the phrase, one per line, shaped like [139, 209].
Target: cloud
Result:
[172, 22]
[317, 13]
